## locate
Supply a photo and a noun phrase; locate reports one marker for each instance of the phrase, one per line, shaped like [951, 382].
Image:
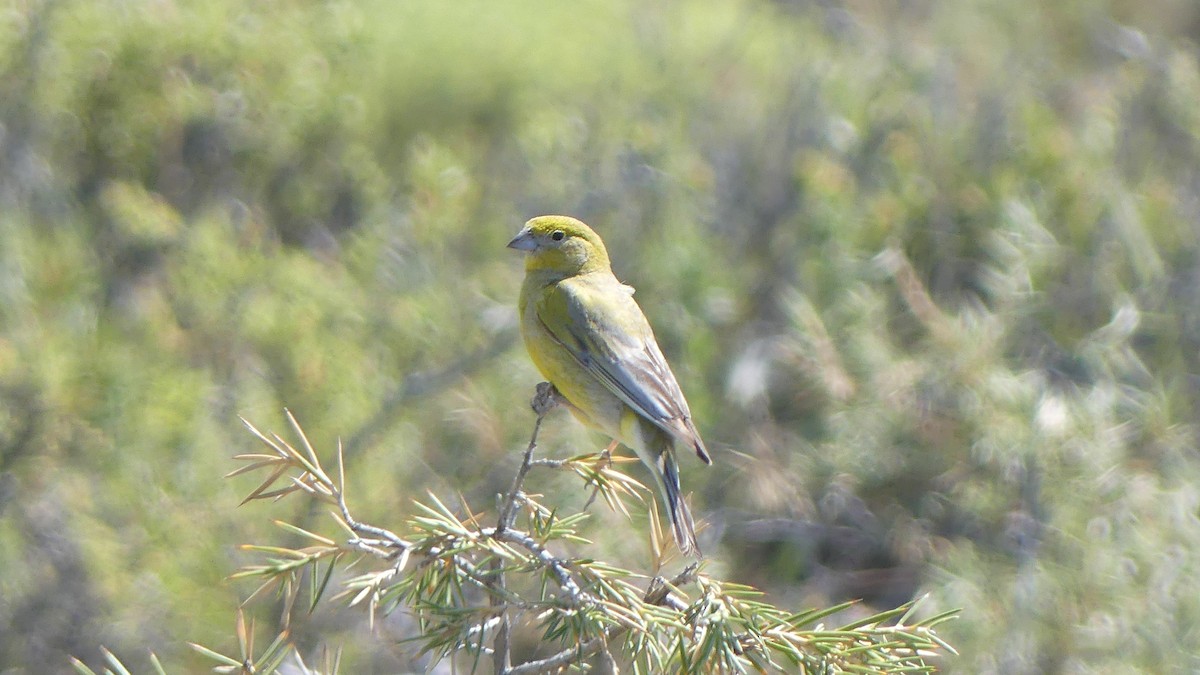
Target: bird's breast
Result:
[592, 403]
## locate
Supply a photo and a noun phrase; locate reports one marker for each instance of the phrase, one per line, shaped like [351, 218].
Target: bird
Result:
[588, 337]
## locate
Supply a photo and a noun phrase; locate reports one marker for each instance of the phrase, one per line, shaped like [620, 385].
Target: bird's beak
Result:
[524, 241]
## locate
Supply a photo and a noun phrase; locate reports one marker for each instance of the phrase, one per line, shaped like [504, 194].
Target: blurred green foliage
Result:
[928, 272]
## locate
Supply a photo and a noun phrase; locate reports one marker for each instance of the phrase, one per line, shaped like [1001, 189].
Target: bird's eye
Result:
[557, 235]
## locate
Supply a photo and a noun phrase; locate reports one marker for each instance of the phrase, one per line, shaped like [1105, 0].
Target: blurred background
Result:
[928, 272]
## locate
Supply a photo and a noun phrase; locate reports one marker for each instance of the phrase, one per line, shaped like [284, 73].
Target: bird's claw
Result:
[546, 399]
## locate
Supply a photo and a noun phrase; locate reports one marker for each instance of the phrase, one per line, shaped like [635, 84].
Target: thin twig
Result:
[339, 492]
[544, 400]
[578, 596]
[657, 594]
[501, 653]
[415, 385]
[605, 459]
[550, 463]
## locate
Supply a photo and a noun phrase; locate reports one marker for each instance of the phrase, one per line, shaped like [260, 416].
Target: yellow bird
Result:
[589, 338]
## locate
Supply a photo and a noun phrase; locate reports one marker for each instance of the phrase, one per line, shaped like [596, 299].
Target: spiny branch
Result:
[586, 607]
[658, 593]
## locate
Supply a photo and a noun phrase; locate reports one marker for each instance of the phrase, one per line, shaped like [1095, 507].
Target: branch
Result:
[582, 605]
[659, 593]
[414, 386]
[579, 597]
[545, 400]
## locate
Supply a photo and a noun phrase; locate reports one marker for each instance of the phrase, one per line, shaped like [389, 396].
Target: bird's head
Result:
[560, 244]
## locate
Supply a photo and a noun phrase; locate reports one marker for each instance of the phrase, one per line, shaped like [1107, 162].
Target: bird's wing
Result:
[596, 319]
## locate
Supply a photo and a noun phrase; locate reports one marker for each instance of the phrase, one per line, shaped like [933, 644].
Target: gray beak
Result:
[524, 241]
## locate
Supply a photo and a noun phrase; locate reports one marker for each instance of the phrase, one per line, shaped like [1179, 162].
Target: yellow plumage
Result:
[589, 338]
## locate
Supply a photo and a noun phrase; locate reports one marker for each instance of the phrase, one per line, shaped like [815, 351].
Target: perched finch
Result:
[589, 338]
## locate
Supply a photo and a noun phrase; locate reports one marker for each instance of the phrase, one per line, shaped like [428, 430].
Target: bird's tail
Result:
[681, 518]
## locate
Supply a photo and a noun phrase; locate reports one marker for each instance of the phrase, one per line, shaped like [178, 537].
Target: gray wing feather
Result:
[610, 337]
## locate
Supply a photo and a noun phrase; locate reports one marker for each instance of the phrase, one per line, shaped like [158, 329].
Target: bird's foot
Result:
[546, 399]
